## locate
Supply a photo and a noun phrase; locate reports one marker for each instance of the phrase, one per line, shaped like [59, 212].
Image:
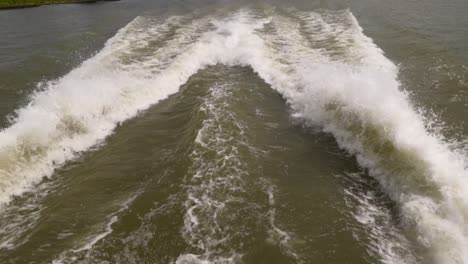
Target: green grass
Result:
[24, 3]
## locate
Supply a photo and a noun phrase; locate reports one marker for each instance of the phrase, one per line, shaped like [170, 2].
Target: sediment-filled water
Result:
[229, 132]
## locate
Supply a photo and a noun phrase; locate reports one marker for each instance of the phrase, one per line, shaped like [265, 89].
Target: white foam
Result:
[416, 168]
[278, 235]
[362, 106]
[357, 99]
[386, 242]
[213, 184]
[95, 239]
[79, 110]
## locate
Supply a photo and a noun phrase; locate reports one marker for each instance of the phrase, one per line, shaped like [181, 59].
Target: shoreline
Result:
[31, 5]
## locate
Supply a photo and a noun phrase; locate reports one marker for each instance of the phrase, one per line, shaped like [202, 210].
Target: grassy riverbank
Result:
[6, 4]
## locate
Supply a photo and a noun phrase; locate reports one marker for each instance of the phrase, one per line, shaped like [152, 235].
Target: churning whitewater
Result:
[330, 74]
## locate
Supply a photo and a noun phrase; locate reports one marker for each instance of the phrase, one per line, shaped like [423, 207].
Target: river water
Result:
[234, 132]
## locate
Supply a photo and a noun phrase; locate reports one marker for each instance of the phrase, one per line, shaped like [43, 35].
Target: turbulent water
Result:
[254, 134]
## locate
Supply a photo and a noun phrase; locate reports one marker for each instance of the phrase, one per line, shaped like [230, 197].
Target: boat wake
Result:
[331, 75]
